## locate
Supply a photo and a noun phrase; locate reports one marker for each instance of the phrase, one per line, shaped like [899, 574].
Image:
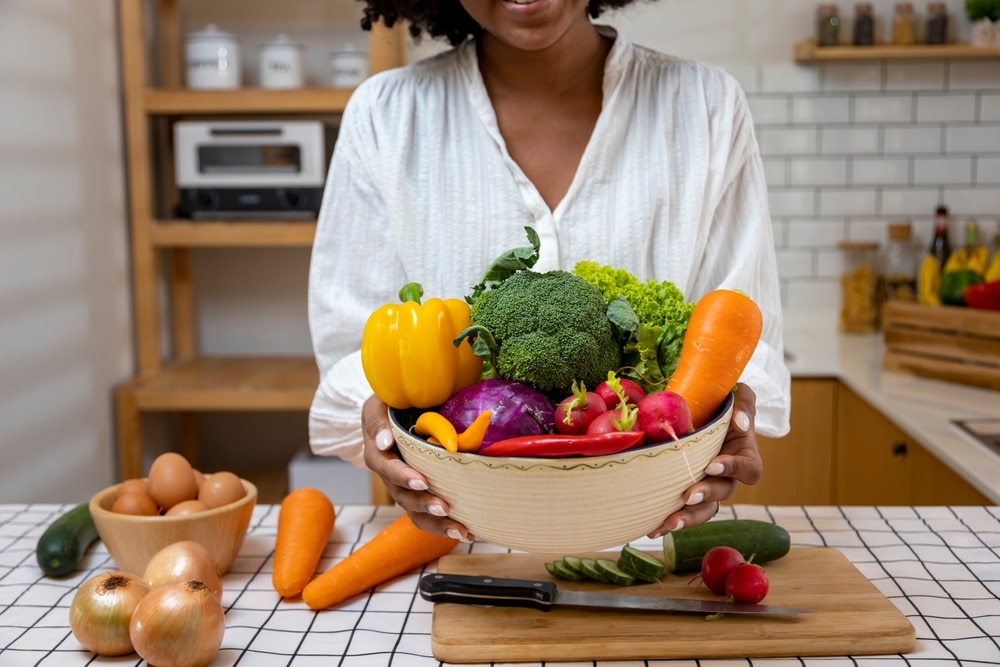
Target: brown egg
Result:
[186, 507]
[198, 477]
[221, 489]
[133, 486]
[171, 480]
[137, 504]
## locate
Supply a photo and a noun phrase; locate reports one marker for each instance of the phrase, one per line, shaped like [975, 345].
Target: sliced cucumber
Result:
[559, 570]
[589, 567]
[644, 565]
[612, 574]
[626, 566]
[573, 564]
[684, 549]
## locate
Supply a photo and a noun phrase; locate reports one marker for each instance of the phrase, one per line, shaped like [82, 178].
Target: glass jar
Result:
[904, 25]
[899, 265]
[937, 23]
[827, 25]
[864, 24]
[859, 282]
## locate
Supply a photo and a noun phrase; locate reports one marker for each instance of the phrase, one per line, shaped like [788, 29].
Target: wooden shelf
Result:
[245, 101]
[232, 234]
[807, 51]
[228, 384]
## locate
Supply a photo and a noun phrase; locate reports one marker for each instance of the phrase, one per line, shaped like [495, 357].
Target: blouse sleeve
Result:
[354, 269]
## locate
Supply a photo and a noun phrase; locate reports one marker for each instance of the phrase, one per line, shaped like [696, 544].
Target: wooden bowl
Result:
[566, 505]
[133, 540]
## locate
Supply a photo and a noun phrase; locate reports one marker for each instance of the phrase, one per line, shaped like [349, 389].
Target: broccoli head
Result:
[549, 329]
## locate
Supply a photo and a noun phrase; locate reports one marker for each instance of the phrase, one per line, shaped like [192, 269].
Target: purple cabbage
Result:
[518, 409]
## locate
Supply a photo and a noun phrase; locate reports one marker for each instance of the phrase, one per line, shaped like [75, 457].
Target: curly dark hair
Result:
[445, 19]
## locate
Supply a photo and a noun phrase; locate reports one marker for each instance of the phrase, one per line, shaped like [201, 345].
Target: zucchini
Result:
[683, 549]
[61, 547]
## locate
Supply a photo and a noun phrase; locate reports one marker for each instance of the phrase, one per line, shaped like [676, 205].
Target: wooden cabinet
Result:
[797, 467]
[172, 375]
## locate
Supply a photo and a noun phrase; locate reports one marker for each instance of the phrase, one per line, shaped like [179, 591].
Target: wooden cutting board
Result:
[848, 616]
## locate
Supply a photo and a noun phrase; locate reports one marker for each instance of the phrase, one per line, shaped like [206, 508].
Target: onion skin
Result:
[183, 561]
[102, 609]
[179, 624]
[518, 409]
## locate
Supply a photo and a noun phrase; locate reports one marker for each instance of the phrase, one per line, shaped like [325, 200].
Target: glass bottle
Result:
[899, 265]
[940, 245]
[904, 26]
[859, 306]
[864, 24]
[937, 23]
[828, 25]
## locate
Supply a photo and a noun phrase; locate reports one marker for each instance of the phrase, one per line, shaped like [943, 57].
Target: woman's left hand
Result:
[738, 461]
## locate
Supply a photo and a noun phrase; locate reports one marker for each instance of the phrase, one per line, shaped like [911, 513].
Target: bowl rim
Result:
[161, 519]
[649, 450]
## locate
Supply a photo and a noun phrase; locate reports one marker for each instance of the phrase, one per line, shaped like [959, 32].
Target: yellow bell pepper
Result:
[972, 256]
[408, 352]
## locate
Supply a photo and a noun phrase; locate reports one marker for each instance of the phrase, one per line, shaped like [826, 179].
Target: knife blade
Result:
[546, 595]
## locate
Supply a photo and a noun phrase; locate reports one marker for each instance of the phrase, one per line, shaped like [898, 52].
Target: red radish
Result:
[631, 390]
[574, 413]
[664, 415]
[716, 566]
[747, 583]
[614, 420]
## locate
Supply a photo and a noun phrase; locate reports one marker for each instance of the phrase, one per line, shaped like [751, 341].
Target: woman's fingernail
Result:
[383, 439]
[696, 498]
[742, 421]
[680, 524]
[417, 485]
[436, 510]
[714, 468]
[454, 534]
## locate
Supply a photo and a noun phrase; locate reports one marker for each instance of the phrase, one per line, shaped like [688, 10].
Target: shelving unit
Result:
[175, 377]
[807, 52]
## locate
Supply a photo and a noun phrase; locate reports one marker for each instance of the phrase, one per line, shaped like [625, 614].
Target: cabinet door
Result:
[934, 483]
[797, 467]
[872, 463]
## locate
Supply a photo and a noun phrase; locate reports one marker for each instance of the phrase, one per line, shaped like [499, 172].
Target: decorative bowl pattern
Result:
[566, 505]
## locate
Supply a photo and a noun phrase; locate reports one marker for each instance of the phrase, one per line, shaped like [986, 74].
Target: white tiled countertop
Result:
[922, 408]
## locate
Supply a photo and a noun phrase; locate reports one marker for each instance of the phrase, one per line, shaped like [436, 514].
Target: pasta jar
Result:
[859, 286]
[899, 265]
[827, 25]
[904, 25]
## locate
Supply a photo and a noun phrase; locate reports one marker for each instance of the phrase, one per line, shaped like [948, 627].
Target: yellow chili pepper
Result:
[408, 352]
[435, 425]
[471, 438]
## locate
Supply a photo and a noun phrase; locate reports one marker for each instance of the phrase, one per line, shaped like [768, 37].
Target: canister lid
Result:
[281, 41]
[858, 246]
[900, 231]
[210, 32]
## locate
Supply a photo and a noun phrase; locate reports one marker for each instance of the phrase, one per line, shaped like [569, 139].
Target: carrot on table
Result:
[722, 335]
[305, 523]
[396, 550]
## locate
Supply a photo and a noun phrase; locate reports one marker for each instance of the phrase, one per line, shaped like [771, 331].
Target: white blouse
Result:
[421, 188]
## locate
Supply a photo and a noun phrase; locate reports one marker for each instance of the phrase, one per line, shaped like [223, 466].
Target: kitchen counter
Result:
[939, 565]
[923, 408]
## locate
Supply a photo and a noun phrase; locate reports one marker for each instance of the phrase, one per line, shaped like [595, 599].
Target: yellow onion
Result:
[183, 561]
[178, 624]
[101, 610]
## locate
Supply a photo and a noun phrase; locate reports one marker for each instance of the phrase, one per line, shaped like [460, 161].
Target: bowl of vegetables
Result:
[563, 504]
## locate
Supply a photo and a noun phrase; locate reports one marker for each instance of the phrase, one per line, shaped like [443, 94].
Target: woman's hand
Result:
[407, 487]
[738, 461]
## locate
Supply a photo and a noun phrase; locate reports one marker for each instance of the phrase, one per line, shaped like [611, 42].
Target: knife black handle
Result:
[493, 591]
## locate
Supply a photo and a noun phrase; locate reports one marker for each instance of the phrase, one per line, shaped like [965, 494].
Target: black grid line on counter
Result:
[939, 565]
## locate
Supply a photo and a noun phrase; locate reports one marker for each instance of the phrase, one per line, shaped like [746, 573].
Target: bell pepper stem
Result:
[411, 292]
[483, 344]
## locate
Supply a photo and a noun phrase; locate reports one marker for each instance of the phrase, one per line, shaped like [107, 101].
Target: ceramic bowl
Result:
[566, 505]
[133, 540]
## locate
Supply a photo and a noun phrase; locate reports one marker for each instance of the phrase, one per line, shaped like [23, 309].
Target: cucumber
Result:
[559, 570]
[61, 547]
[589, 567]
[573, 564]
[612, 574]
[683, 549]
[640, 564]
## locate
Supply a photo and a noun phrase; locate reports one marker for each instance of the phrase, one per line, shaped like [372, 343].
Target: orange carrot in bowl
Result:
[305, 523]
[396, 550]
[722, 334]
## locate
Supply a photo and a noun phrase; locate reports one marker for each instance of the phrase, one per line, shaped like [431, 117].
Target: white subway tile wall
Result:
[850, 147]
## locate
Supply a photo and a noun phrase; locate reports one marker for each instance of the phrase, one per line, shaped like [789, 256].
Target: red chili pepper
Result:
[984, 296]
[557, 445]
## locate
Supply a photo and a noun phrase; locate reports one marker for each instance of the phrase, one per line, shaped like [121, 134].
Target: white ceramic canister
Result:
[282, 64]
[212, 59]
[348, 67]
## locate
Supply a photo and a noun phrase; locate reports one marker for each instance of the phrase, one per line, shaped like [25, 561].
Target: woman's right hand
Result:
[406, 486]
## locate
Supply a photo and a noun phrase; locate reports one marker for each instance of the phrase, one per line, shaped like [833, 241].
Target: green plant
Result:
[978, 10]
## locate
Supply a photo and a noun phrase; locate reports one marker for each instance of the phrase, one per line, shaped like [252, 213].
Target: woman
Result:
[538, 117]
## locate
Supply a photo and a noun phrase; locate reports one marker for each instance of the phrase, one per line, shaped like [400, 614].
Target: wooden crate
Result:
[943, 342]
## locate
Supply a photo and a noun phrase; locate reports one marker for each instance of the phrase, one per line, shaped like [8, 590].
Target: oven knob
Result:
[292, 199]
[206, 200]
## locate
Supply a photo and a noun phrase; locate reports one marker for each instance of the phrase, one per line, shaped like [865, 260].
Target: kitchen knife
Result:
[546, 595]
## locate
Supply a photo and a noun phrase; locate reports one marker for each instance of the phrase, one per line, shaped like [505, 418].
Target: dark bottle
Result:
[940, 246]
[864, 24]
[937, 23]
